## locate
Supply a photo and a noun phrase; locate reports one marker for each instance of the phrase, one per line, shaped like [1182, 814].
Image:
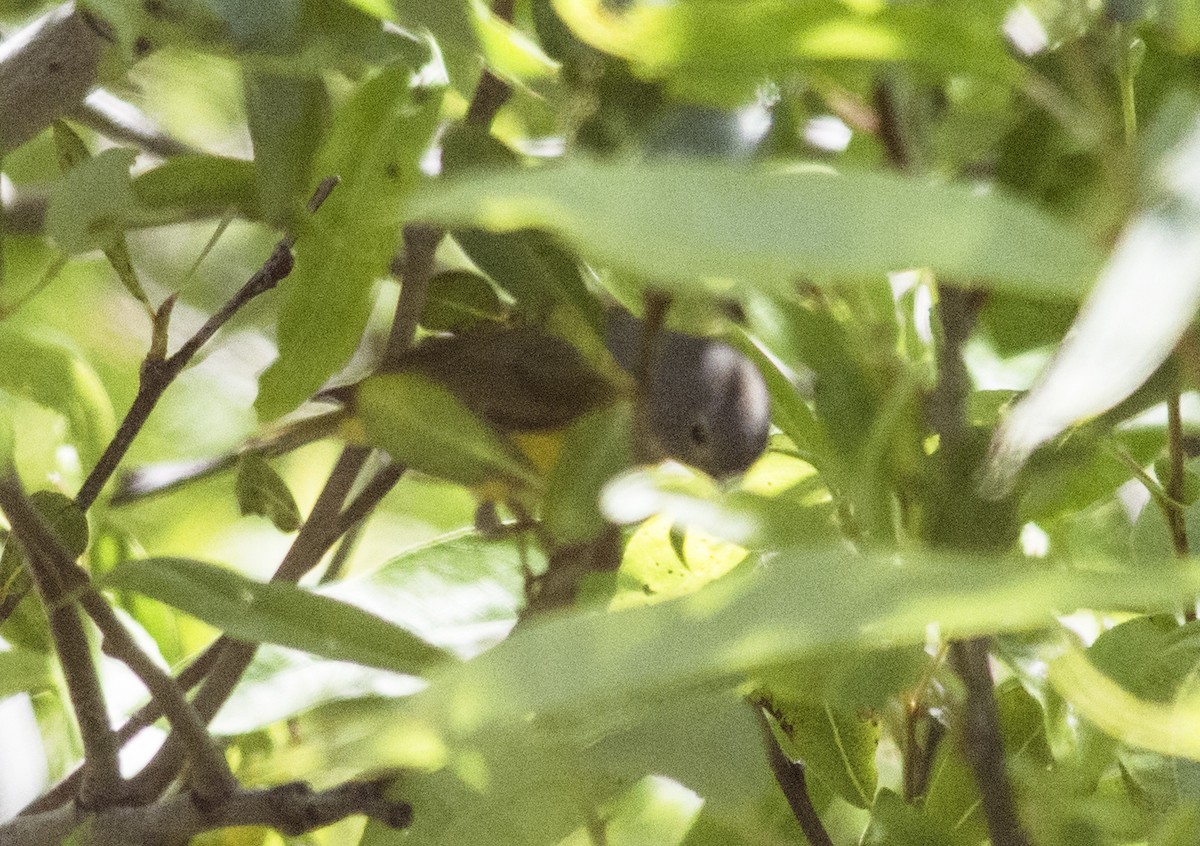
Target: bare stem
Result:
[790, 775]
[293, 809]
[158, 373]
[101, 781]
[984, 745]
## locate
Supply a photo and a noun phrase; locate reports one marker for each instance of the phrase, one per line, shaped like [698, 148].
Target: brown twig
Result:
[983, 742]
[101, 781]
[61, 582]
[420, 243]
[421, 240]
[293, 809]
[1175, 510]
[158, 373]
[790, 776]
[311, 543]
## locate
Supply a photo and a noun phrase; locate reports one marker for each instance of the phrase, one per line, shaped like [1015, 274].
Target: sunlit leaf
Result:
[374, 146]
[802, 602]
[278, 613]
[52, 374]
[699, 226]
[1171, 728]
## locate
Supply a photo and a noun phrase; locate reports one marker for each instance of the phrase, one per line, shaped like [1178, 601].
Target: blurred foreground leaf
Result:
[685, 225]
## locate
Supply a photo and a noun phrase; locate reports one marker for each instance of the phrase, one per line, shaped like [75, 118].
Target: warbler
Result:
[706, 405]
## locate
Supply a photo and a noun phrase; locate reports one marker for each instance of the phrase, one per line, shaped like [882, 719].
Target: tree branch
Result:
[293, 809]
[790, 775]
[158, 373]
[984, 744]
[211, 777]
[46, 69]
[101, 782]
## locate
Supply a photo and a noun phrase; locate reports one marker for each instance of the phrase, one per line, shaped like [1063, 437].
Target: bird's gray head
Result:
[708, 405]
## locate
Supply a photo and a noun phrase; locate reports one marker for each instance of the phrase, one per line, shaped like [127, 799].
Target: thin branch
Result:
[292, 809]
[211, 777]
[984, 744]
[313, 541]
[790, 775]
[420, 243]
[421, 240]
[101, 781]
[46, 69]
[158, 373]
[491, 92]
[1175, 513]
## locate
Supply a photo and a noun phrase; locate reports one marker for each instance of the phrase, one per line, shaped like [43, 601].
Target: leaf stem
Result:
[790, 776]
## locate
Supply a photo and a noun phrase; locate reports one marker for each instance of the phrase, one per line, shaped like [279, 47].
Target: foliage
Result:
[959, 242]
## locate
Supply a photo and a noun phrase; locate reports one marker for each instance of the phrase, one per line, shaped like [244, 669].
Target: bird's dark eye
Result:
[699, 433]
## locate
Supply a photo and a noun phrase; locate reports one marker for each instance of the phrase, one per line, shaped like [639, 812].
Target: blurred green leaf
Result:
[261, 491]
[696, 226]
[718, 50]
[837, 747]
[278, 613]
[460, 591]
[53, 375]
[287, 116]
[894, 822]
[22, 671]
[374, 146]
[94, 204]
[198, 185]
[458, 299]
[803, 603]
[595, 448]
[381, 9]
[422, 425]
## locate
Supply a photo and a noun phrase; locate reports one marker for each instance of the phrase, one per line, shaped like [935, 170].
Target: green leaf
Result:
[53, 375]
[68, 146]
[837, 747]
[278, 613]
[595, 448]
[381, 9]
[803, 602]
[422, 425]
[460, 591]
[375, 144]
[698, 225]
[894, 822]
[458, 299]
[24, 671]
[198, 185]
[261, 491]
[94, 204]
[287, 115]
[716, 51]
